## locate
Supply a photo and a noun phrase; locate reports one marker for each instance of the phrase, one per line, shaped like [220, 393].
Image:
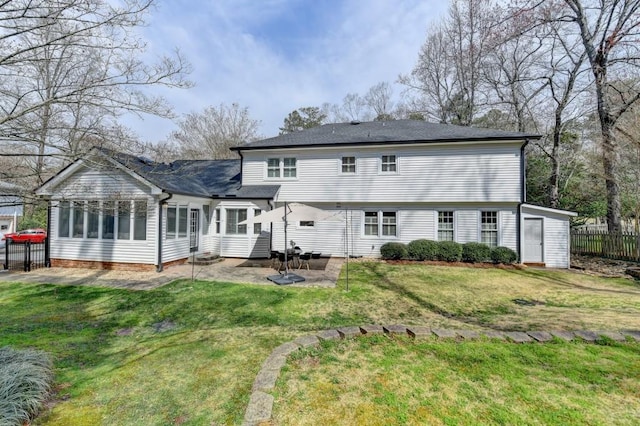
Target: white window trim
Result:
[380, 172]
[340, 172]
[455, 223]
[281, 163]
[498, 223]
[379, 212]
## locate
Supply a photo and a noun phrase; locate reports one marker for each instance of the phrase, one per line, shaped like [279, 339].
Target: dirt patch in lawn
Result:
[602, 267]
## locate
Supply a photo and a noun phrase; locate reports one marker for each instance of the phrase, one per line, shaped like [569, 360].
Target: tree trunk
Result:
[610, 164]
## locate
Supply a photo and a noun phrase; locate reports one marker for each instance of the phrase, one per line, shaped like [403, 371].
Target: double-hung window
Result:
[234, 217]
[445, 226]
[177, 221]
[289, 168]
[282, 168]
[379, 223]
[348, 165]
[78, 219]
[371, 223]
[273, 167]
[389, 164]
[489, 228]
[389, 224]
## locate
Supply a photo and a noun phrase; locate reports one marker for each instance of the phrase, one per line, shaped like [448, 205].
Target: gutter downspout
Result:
[161, 202]
[523, 198]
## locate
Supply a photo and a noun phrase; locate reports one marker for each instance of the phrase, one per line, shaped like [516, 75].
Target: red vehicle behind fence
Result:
[32, 235]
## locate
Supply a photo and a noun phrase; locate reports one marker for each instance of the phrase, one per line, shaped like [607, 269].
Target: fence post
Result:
[47, 255]
[27, 256]
[6, 254]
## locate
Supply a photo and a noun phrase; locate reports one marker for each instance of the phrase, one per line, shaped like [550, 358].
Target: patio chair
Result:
[281, 261]
[304, 260]
[274, 258]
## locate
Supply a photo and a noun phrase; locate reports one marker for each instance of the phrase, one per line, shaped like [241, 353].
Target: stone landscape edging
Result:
[261, 400]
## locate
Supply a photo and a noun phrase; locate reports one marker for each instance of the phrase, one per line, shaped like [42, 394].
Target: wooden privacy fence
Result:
[623, 246]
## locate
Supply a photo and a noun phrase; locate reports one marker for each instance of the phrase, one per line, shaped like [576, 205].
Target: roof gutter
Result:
[381, 142]
[161, 202]
[523, 198]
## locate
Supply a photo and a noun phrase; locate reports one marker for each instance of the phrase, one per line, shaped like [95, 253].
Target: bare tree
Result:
[449, 68]
[609, 31]
[378, 99]
[209, 134]
[69, 69]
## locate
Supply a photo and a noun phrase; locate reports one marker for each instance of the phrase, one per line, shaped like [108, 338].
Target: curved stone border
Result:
[261, 401]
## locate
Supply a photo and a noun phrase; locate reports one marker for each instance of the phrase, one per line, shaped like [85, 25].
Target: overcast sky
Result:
[274, 56]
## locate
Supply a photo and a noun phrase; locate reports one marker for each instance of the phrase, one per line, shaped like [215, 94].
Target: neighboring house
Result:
[393, 181]
[11, 207]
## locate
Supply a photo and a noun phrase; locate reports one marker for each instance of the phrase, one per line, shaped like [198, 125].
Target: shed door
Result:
[533, 240]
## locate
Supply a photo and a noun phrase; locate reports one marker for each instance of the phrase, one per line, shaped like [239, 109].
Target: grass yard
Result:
[187, 353]
[385, 381]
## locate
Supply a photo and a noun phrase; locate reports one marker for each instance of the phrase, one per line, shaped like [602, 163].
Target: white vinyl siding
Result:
[105, 248]
[555, 236]
[444, 174]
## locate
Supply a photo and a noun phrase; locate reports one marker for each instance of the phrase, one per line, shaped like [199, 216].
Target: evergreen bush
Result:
[422, 250]
[503, 255]
[449, 251]
[393, 251]
[476, 252]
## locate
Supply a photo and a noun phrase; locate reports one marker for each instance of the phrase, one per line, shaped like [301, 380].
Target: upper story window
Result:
[389, 164]
[282, 167]
[489, 228]
[445, 226]
[273, 167]
[348, 165]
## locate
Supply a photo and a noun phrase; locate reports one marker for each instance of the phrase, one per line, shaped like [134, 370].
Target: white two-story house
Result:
[390, 181]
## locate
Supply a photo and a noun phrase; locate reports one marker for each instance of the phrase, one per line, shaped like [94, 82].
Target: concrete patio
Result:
[226, 270]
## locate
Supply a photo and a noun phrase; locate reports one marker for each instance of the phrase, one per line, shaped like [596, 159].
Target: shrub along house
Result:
[394, 181]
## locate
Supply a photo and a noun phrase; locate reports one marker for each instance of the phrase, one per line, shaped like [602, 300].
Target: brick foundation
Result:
[119, 266]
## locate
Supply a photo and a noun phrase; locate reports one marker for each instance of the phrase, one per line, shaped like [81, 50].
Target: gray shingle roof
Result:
[201, 178]
[383, 132]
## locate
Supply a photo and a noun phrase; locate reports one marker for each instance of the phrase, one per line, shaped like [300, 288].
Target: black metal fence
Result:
[623, 246]
[27, 256]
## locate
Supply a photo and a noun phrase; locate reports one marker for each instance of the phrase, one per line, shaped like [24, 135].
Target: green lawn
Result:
[187, 353]
[471, 383]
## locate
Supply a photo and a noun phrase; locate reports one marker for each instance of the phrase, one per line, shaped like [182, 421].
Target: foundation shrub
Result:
[393, 251]
[449, 251]
[422, 250]
[476, 252]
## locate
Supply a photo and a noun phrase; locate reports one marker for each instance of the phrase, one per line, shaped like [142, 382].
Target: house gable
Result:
[99, 177]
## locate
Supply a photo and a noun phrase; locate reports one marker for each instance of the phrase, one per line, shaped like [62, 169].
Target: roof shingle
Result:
[383, 132]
